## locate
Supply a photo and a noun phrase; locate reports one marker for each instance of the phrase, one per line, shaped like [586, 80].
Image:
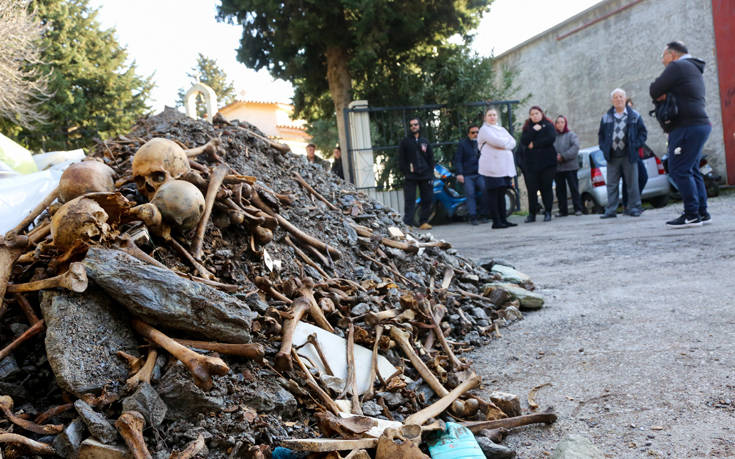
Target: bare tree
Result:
[23, 86]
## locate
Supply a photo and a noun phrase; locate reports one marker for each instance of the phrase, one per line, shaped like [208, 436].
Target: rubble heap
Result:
[203, 291]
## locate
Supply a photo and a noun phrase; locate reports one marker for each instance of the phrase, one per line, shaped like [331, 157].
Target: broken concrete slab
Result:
[161, 298]
[96, 423]
[67, 443]
[268, 395]
[183, 398]
[83, 333]
[509, 403]
[508, 274]
[147, 402]
[92, 449]
[575, 446]
[528, 300]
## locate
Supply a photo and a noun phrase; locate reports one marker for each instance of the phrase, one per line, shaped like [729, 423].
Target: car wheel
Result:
[660, 201]
[589, 206]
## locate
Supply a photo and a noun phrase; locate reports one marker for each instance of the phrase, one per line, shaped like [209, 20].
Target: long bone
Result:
[130, 425]
[312, 339]
[311, 190]
[192, 449]
[215, 181]
[313, 385]
[370, 392]
[35, 447]
[202, 367]
[307, 291]
[299, 308]
[6, 405]
[265, 285]
[145, 372]
[453, 360]
[33, 330]
[508, 423]
[436, 408]
[403, 340]
[253, 351]
[34, 213]
[74, 279]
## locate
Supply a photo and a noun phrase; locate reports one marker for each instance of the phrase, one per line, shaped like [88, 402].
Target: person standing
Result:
[642, 172]
[682, 78]
[416, 161]
[539, 161]
[465, 163]
[621, 133]
[567, 151]
[313, 158]
[337, 163]
[496, 166]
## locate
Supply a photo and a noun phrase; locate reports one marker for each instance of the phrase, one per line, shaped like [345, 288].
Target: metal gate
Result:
[374, 133]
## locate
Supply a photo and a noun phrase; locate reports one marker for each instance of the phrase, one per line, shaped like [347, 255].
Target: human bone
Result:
[79, 220]
[180, 202]
[156, 162]
[85, 177]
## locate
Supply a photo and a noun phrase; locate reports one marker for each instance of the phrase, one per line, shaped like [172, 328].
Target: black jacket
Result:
[683, 78]
[635, 133]
[465, 159]
[416, 158]
[543, 154]
[337, 167]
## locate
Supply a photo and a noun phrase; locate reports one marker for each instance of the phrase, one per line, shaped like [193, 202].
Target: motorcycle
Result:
[448, 203]
[711, 180]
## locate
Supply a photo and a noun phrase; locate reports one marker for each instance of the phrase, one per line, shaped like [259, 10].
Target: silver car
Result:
[592, 173]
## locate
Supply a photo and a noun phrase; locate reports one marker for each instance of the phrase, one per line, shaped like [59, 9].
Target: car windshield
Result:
[598, 159]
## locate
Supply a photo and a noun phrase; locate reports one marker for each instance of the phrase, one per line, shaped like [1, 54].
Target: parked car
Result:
[593, 172]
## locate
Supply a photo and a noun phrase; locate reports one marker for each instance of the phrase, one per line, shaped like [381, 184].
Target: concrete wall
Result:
[575, 74]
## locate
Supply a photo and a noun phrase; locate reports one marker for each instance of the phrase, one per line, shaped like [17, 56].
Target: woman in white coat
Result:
[497, 165]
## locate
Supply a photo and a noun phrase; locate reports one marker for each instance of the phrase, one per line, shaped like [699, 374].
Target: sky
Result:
[164, 37]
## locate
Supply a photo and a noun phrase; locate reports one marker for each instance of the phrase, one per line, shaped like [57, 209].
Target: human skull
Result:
[156, 162]
[79, 220]
[180, 203]
[85, 177]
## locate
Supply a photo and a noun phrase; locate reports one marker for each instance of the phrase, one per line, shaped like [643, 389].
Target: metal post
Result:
[348, 147]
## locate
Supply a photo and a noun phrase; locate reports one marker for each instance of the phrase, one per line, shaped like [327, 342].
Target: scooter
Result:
[447, 202]
[711, 180]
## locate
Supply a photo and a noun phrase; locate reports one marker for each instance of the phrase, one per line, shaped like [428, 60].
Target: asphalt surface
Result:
[637, 336]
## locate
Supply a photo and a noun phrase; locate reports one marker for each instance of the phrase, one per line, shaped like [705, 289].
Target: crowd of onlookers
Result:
[487, 160]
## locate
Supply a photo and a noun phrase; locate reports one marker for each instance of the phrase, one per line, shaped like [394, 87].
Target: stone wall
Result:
[574, 75]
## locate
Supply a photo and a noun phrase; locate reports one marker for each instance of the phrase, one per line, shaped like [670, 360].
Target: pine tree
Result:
[96, 93]
[208, 72]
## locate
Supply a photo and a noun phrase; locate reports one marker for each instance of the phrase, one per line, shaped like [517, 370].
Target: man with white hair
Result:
[620, 135]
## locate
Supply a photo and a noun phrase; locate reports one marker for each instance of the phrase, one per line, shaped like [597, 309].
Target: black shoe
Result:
[547, 216]
[509, 224]
[706, 218]
[499, 225]
[561, 214]
[684, 222]
[608, 216]
[530, 219]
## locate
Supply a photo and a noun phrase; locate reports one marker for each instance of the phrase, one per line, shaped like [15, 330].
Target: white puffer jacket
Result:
[496, 157]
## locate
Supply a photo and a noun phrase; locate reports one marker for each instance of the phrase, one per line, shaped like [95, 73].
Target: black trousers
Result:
[540, 181]
[562, 180]
[426, 191]
[496, 204]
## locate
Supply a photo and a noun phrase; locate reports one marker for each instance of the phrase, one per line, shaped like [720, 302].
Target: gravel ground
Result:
[637, 336]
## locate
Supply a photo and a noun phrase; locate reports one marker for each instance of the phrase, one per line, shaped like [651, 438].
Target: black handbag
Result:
[665, 111]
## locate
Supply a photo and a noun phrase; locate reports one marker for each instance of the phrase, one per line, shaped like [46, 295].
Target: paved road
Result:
[637, 336]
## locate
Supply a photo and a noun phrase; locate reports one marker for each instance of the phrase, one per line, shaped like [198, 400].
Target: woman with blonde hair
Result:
[496, 165]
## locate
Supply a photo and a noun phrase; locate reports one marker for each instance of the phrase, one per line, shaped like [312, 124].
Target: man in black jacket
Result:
[416, 161]
[337, 163]
[682, 77]
[465, 163]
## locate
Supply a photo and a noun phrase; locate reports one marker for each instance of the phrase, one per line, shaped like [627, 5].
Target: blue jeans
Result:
[684, 166]
[474, 184]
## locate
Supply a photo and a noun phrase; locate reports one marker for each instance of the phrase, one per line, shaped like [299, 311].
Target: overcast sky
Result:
[164, 37]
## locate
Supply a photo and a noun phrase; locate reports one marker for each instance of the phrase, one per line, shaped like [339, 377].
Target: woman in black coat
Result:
[539, 162]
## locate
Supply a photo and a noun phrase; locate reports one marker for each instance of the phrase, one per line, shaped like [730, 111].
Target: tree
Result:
[321, 46]
[95, 93]
[22, 86]
[208, 72]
